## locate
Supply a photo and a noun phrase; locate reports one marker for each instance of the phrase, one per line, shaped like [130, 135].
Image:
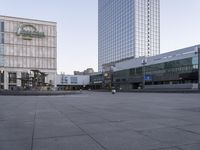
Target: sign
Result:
[194, 60]
[148, 78]
[28, 32]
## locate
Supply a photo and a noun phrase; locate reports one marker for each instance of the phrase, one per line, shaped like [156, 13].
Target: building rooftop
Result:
[169, 56]
[4, 16]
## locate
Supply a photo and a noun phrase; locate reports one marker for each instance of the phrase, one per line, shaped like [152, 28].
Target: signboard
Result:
[28, 32]
[148, 78]
[64, 79]
[194, 60]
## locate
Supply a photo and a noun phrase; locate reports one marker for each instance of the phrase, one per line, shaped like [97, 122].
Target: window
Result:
[1, 26]
[139, 71]
[1, 77]
[74, 80]
[12, 77]
[1, 38]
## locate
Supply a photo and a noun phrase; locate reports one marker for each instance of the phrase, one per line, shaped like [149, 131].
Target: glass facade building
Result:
[176, 69]
[128, 28]
[175, 72]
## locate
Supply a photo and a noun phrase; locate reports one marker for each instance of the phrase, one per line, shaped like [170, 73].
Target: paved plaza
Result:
[101, 121]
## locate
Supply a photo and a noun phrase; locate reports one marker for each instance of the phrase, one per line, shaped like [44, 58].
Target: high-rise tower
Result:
[128, 28]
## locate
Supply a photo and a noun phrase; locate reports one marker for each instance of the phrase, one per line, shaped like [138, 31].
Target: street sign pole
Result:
[144, 62]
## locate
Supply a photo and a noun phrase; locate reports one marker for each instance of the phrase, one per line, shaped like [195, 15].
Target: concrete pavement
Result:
[100, 121]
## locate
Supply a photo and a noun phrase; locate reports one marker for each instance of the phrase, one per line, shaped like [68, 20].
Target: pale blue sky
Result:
[78, 26]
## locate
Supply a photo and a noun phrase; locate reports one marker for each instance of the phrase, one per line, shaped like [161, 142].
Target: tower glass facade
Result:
[128, 28]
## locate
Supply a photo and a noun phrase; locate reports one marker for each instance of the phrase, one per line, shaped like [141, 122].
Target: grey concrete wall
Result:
[173, 86]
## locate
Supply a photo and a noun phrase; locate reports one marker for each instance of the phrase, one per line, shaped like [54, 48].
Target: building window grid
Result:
[121, 44]
[8, 36]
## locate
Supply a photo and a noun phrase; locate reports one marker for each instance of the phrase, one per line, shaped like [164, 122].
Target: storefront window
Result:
[12, 77]
[1, 76]
[139, 71]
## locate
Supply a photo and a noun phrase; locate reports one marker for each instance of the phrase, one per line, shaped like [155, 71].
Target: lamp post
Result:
[144, 62]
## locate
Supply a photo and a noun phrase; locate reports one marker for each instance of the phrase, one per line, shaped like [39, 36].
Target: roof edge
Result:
[28, 19]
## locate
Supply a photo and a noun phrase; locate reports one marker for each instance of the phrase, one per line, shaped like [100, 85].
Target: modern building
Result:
[72, 82]
[88, 71]
[179, 69]
[176, 69]
[96, 80]
[127, 28]
[27, 45]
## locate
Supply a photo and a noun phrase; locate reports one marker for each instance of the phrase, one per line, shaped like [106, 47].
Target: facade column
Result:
[5, 80]
[46, 79]
[55, 81]
[19, 82]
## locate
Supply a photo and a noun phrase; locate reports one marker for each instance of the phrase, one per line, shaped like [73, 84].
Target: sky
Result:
[77, 23]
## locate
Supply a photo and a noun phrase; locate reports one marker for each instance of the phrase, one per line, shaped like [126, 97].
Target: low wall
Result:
[37, 93]
[172, 86]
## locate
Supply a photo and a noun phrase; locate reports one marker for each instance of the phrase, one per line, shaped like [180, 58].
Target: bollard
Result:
[113, 91]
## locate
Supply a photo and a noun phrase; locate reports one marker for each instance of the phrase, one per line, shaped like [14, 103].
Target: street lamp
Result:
[144, 62]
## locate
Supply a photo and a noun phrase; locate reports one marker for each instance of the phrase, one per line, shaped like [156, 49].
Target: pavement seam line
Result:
[89, 112]
[186, 130]
[34, 122]
[53, 137]
[103, 147]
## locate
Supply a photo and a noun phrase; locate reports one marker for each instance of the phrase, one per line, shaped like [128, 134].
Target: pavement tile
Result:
[191, 147]
[15, 130]
[191, 128]
[173, 122]
[138, 124]
[172, 136]
[48, 115]
[15, 145]
[168, 148]
[86, 119]
[44, 129]
[126, 140]
[69, 143]
[95, 128]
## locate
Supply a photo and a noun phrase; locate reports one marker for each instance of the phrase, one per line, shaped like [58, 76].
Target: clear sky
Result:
[78, 26]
